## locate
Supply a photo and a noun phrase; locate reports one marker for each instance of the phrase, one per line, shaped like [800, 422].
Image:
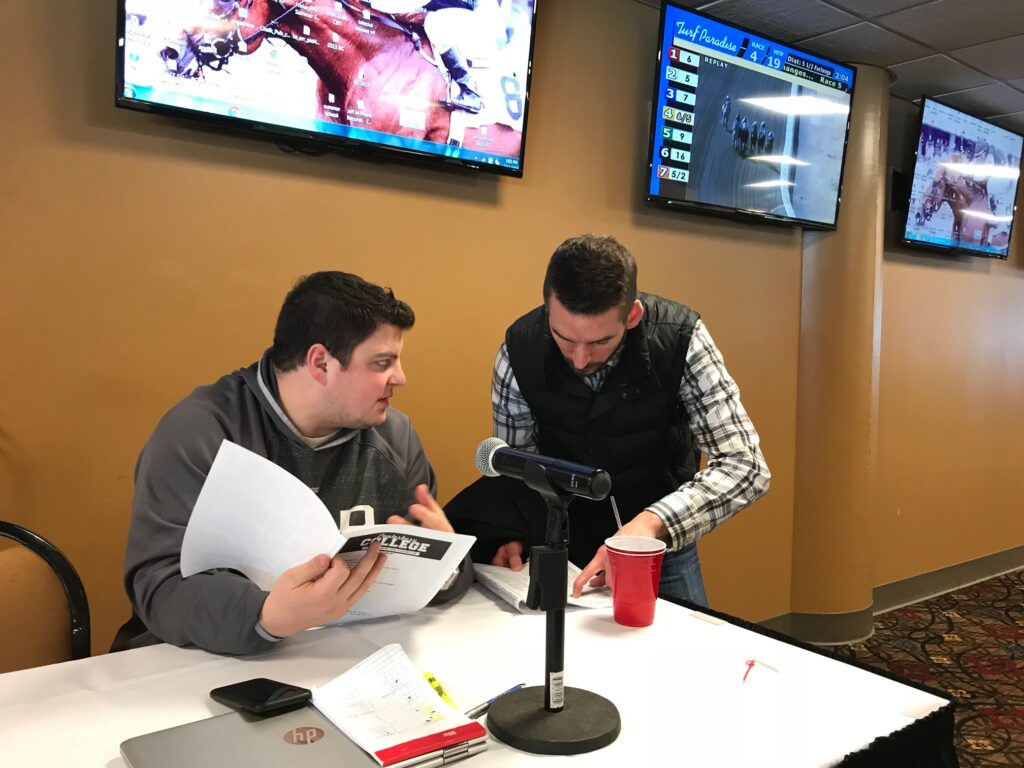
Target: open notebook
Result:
[386, 707]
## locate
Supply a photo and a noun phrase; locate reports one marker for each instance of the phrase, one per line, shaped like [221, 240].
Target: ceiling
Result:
[967, 53]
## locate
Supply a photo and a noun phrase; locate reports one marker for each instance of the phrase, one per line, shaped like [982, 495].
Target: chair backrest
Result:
[42, 601]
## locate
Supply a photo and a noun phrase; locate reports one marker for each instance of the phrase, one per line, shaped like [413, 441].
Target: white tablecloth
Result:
[678, 686]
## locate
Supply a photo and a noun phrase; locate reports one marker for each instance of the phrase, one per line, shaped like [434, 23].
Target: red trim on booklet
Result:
[427, 744]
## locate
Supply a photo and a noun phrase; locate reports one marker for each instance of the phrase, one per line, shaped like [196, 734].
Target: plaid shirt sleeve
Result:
[513, 419]
[736, 472]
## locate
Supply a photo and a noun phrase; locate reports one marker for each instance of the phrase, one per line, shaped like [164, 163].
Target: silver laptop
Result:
[302, 738]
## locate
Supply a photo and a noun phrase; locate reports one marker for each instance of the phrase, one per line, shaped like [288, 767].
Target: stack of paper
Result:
[513, 587]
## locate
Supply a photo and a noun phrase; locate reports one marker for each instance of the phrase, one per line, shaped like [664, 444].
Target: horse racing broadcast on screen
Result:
[964, 185]
[444, 79]
[745, 124]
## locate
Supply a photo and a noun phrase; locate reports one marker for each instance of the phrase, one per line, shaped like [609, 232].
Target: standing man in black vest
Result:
[633, 384]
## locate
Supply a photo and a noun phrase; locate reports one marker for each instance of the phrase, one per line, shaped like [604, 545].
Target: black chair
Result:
[78, 603]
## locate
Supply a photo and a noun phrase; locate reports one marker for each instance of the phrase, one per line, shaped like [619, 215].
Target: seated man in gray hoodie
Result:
[316, 404]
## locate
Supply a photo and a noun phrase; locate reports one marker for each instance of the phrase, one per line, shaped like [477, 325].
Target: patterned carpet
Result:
[969, 643]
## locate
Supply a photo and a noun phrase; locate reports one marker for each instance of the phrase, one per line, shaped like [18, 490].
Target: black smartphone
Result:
[261, 696]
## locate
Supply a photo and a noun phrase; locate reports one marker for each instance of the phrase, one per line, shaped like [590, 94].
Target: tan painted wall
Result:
[142, 257]
[951, 406]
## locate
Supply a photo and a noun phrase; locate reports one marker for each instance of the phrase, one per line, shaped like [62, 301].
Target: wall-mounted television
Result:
[444, 81]
[964, 183]
[746, 125]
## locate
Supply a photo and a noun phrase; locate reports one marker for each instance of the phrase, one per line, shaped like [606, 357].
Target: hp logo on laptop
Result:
[308, 735]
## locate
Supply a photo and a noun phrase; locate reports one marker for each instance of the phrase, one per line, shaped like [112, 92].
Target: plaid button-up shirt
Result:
[736, 473]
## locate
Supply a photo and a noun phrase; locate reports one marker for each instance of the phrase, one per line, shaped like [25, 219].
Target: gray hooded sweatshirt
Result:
[218, 610]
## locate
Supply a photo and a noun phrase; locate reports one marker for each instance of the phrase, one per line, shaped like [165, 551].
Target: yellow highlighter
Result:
[436, 685]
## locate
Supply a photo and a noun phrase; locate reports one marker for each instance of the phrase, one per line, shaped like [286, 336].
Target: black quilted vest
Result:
[634, 427]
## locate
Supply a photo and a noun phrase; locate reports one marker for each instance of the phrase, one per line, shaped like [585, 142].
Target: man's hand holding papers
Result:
[318, 592]
[254, 517]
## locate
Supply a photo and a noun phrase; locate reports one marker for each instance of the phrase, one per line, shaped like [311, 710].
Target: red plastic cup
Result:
[634, 569]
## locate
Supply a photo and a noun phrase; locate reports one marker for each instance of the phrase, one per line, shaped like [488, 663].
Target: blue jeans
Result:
[680, 576]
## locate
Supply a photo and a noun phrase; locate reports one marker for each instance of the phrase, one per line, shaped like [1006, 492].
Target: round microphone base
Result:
[587, 722]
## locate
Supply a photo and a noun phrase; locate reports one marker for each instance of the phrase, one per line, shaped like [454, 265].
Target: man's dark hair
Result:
[590, 274]
[335, 309]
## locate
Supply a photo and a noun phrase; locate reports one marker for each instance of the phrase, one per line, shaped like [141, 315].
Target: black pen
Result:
[479, 709]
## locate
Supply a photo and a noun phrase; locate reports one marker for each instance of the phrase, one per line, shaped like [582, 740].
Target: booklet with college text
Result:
[513, 586]
[386, 707]
[254, 517]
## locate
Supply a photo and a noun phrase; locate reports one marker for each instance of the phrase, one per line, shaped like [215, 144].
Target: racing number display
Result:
[719, 101]
[682, 75]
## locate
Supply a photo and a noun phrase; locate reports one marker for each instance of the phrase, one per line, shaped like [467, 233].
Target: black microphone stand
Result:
[552, 719]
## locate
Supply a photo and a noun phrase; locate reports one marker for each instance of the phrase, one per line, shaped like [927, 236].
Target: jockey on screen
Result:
[452, 25]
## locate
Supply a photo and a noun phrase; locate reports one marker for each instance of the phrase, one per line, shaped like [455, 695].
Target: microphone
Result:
[494, 457]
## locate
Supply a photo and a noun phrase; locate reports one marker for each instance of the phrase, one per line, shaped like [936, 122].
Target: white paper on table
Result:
[513, 587]
[256, 518]
[383, 701]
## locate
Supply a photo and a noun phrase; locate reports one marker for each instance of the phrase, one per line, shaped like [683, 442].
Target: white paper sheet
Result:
[419, 561]
[257, 518]
[513, 586]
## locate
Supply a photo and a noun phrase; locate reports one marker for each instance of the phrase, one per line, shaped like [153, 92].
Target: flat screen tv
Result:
[743, 124]
[445, 81]
[964, 183]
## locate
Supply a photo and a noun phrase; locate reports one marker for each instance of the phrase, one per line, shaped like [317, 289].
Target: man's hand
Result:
[426, 511]
[645, 524]
[318, 592]
[509, 556]
[593, 573]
